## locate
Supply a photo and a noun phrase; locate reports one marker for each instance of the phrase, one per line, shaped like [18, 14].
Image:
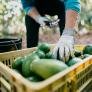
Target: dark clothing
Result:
[69, 4]
[44, 7]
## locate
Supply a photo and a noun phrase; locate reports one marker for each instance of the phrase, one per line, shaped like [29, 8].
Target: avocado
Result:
[74, 61]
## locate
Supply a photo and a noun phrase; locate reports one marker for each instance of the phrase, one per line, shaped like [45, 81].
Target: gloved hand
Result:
[53, 21]
[47, 20]
[65, 46]
[41, 20]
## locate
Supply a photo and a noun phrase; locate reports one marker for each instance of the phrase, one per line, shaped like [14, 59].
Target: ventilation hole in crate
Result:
[6, 62]
[80, 83]
[77, 86]
[61, 89]
[9, 62]
[86, 78]
[13, 79]
[86, 69]
[3, 62]
[78, 76]
[13, 59]
[83, 80]
[83, 72]
[14, 89]
[89, 75]
[89, 68]
[24, 88]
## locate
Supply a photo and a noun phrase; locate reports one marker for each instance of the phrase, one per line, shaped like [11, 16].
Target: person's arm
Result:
[29, 8]
[71, 18]
[33, 13]
[72, 12]
[65, 45]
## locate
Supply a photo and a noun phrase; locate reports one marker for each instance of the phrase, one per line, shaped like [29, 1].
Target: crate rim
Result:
[24, 49]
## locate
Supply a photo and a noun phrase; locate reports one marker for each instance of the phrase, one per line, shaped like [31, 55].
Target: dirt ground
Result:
[84, 39]
[52, 38]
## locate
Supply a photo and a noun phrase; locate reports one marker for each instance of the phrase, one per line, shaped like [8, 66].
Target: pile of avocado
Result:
[40, 65]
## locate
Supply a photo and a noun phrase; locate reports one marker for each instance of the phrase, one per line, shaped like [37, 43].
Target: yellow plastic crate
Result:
[73, 79]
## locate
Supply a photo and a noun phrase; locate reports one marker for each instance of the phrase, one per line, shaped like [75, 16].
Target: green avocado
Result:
[35, 78]
[17, 64]
[40, 53]
[85, 56]
[45, 47]
[26, 71]
[74, 61]
[47, 67]
[87, 49]
[49, 55]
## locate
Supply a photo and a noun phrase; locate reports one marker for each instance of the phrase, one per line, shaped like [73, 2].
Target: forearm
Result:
[33, 13]
[71, 18]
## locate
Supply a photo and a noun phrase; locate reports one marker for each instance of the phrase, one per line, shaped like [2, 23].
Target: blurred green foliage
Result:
[11, 13]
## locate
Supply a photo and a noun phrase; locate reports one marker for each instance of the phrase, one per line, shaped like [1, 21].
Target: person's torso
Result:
[34, 1]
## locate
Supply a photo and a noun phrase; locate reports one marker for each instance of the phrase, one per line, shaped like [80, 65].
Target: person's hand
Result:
[65, 46]
[53, 21]
[41, 20]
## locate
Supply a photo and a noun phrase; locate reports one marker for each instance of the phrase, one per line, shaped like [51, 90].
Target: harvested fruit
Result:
[17, 64]
[45, 47]
[74, 61]
[35, 78]
[40, 53]
[85, 56]
[87, 49]
[26, 65]
[48, 55]
[47, 67]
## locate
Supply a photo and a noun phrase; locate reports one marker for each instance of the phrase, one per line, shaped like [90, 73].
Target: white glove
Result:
[65, 46]
[53, 20]
[41, 20]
